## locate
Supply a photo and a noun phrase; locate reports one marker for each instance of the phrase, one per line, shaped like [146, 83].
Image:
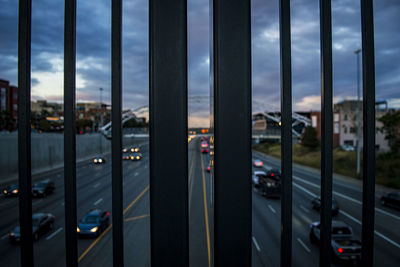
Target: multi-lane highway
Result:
[348, 193]
[94, 191]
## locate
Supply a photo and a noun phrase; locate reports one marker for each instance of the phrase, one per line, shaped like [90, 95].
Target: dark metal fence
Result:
[231, 70]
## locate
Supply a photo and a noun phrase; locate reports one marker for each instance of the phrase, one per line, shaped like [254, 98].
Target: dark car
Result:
[316, 203]
[204, 147]
[126, 156]
[94, 222]
[344, 246]
[270, 184]
[391, 200]
[11, 191]
[136, 156]
[99, 160]
[274, 173]
[43, 188]
[41, 224]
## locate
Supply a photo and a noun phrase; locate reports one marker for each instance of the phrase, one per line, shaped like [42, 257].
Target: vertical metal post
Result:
[368, 61]
[286, 133]
[24, 131]
[69, 134]
[168, 128]
[358, 111]
[232, 103]
[326, 132]
[116, 141]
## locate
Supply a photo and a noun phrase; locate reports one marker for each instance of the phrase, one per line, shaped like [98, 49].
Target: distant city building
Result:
[347, 111]
[316, 123]
[9, 98]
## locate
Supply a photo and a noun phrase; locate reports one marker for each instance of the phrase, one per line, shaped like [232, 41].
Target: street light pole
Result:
[357, 52]
[101, 118]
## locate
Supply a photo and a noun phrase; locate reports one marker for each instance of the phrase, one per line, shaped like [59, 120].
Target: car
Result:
[274, 173]
[347, 147]
[99, 160]
[256, 177]
[134, 149]
[391, 200]
[344, 246]
[346, 250]
[11, 191]
[126, 156]
[42, 223]
[204, 147]
[258, 163]
[270, 184]
[93, 223]
[204, 150]
[316, 204]
[43, 188]
[136, 156]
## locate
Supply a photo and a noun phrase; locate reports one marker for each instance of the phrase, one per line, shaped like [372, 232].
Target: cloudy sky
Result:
[94, 54]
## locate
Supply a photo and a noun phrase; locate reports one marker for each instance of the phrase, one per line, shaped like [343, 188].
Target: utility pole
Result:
[101, 118]
[357, 52]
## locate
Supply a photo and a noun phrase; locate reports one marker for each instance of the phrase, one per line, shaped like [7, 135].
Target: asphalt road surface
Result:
[94, 191]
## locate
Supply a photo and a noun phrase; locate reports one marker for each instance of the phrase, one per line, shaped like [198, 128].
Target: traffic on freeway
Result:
[95, 213]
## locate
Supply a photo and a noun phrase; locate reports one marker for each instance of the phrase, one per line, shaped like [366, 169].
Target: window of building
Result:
[345, 129]
[352, 129]
[345, 117]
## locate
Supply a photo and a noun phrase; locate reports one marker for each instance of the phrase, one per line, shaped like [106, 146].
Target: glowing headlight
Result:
[100, 160]
[136, 149]
[137, 157]
[95, 160]
[12, 234]
[78, 230]
[131, 157]
[5, 191]
[94, 229]
[15, 191]
[132, 150]
[269, 184]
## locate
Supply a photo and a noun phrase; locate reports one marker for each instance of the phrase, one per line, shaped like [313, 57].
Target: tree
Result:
[44, 125]
[133, 123]
[83, 123]
[6, 121]
[309, 138]
[391, 129]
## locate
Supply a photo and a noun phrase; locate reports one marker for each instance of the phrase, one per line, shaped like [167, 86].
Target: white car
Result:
[256, 175]
[258, 163]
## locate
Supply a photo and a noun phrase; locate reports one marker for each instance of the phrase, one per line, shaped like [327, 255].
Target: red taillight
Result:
[206, 150]
[340, 250]
[261, 163]
[108, 214]
[272, 174]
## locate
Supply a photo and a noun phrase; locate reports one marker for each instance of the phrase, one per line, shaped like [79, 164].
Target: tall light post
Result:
[101, 118]
[357, 52]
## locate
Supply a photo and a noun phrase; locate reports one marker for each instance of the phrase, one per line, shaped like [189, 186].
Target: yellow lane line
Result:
[109, 227]
[206, 212]
[136, 199]
[137, 217]
[94, 243]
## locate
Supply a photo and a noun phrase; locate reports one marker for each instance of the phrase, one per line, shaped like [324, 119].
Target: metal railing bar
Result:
[326, 132]
[24, 131]
[168, 129]
[232, 132]
[71, 242]
[368, 61]
[116, 142]
[286, 133]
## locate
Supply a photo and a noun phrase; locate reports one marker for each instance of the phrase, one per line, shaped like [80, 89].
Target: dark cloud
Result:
[94, 49]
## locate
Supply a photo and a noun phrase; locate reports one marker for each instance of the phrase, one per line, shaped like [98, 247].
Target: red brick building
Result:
[9, 98]
[315, 117]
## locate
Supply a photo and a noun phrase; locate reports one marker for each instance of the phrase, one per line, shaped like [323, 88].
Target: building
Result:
[9, 98]
[316, 123]
[347, 111]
